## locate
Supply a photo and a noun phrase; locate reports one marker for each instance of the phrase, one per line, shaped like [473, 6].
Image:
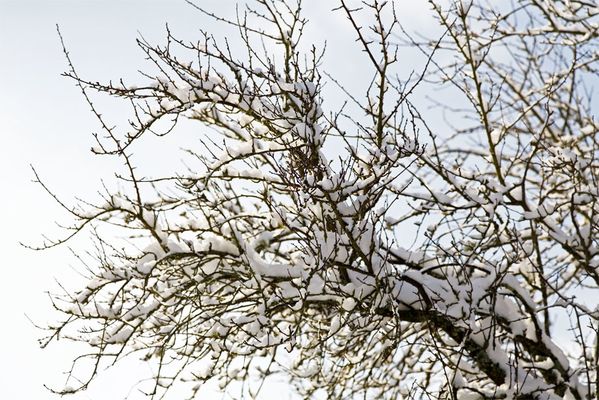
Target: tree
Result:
[366, 251]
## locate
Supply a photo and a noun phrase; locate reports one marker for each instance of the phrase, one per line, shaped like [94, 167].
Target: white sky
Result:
[44, 122]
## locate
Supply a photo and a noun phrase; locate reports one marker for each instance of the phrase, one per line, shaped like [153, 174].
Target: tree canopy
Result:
[390, 247]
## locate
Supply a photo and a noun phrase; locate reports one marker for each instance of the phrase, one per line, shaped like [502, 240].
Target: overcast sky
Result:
[45, 123]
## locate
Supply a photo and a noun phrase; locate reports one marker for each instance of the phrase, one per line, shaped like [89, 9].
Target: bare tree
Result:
[287, 246]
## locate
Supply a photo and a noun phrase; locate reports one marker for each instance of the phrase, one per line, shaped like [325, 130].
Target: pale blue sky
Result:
[44, 122]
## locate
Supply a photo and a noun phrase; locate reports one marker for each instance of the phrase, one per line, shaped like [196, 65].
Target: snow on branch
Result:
[375, 250]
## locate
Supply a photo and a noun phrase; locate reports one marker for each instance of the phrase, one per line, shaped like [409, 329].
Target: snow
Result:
[252, 253]
[349, 304]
